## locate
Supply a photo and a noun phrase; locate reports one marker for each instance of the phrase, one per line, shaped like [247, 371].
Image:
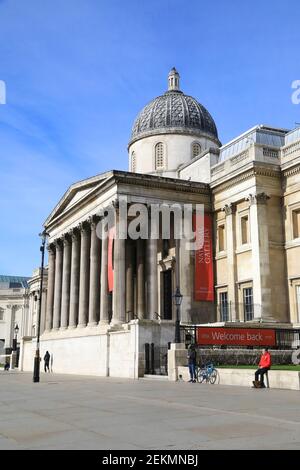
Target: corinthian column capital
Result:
[51, 249]
[58, 244]
[229, 209]
[260, 198]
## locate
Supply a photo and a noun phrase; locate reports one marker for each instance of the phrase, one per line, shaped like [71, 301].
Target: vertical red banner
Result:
[110, 261]
[204, 274]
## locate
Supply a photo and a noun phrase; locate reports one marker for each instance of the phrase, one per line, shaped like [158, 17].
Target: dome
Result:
[173, 113]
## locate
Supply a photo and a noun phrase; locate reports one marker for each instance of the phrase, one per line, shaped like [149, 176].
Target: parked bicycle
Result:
[206, 373]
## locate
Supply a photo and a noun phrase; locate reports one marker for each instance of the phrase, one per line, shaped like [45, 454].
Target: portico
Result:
[80, 303]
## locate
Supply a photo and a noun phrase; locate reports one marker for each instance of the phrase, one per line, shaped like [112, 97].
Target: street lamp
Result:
[16, 329]
[178, 300]
[36, 366]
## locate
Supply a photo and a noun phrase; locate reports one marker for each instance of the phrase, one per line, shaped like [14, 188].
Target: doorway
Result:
[167, 295]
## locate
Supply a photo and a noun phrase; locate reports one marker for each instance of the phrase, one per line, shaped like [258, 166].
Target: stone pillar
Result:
[95, 261]
[140, 275]
[75, 272]
[58, 284]
[9, 330]
[104, 320]
[129, 280]
[230, 210]
[84, 275]
[119, 300]
[152, 278]
[50, 287]
[260, 256]
[65, 302]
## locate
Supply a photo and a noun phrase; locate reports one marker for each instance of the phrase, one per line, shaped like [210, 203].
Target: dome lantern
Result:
[173, 79]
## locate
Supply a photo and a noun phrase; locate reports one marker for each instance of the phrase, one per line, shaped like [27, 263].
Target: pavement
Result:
[79, 412]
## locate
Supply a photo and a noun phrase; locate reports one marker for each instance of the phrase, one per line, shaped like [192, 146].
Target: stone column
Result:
[129, 280]
[260, 256]
[230, 210]
[119, 300]
[140, 275]
[50, 287]
[65, 302]
[75, 272]
[104, 281]
[95, 261]
[152, 278]
[84, 275]
[9, 330]
[58, 284]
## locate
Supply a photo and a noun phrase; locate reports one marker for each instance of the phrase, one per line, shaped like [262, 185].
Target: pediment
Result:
[76, 193]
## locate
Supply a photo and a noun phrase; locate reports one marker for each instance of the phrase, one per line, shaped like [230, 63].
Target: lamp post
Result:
[178, 300]
[36, 366]
[16, 329]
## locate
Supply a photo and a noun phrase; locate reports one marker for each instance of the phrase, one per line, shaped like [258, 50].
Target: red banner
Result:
[236, 336]
[204, 275]
[110, 263]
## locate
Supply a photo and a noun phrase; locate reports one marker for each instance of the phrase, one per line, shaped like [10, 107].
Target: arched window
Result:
[196, 149]
[133, 162]
[159, 156]
[1, 314]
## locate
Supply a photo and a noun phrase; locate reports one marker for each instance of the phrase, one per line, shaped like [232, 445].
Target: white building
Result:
[14, 310]
[250, 191]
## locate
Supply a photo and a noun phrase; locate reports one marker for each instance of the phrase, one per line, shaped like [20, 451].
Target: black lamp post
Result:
[178, 300]
[16, 329]
[36, 366]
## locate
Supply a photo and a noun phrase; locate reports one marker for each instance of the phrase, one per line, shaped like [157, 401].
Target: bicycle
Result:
[206, 373]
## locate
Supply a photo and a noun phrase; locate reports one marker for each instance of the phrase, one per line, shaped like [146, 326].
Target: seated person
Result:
[263, 367]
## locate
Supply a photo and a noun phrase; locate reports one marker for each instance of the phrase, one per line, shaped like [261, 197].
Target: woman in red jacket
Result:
[263, 367]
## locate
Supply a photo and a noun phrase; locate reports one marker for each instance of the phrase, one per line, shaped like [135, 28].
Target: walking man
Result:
[47, 360]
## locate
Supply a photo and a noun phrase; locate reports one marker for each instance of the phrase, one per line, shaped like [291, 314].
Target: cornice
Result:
[291, 171]
[249, 173]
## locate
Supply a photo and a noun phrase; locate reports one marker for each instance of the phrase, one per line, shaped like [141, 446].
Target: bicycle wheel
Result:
[202, 376]
[213, 376]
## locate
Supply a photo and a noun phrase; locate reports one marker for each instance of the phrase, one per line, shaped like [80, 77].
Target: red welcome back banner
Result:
[236, 336]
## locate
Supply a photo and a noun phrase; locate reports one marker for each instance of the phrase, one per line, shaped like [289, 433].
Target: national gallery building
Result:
[106, 297]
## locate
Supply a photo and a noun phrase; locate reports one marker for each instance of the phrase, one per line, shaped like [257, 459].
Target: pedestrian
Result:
[263, 367]
[6, 365]
[192, 362]
[46, 360]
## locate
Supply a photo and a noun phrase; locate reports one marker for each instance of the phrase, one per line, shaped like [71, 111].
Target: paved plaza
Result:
[75, 412]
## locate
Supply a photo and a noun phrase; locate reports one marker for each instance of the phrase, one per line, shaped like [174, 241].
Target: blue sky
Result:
[78, 71]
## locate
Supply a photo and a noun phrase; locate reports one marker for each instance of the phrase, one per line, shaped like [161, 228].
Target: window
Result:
[133, 162]
[221, 237]
[159, 156]
[196, 149]
[245, 230]
[223, 299]
[296, 223]
[248, 303]
[1, 314]
[165, 247]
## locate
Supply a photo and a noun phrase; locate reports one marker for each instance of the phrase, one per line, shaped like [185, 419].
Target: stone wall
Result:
[116, 352]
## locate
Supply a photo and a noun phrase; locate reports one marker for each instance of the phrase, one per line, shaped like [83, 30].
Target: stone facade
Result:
[249, 187]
